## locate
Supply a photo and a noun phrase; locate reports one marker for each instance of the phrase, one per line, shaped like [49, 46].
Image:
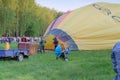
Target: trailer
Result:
[25, 49]
[18, 54]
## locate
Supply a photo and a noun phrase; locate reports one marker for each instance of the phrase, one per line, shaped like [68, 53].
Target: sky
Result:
[68, 5]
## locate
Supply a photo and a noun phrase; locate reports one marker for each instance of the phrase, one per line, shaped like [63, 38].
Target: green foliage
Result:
[29, 31]
[59, 14]
[17, 15]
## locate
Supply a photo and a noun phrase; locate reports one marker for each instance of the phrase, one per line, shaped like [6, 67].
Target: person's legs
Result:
[40, 47]
[63, 56]
[43, 48]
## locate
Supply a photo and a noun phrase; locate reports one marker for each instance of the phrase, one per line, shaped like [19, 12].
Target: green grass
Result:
[82, 65]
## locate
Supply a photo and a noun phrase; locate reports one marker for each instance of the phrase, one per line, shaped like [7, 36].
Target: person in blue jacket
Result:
[61, 53]
[115, 56]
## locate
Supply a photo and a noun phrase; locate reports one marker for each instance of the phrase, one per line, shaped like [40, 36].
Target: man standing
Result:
[55, 42]
[115, 56]
[42, 44]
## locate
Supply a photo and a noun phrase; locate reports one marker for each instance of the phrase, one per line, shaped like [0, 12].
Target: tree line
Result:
[24, 17]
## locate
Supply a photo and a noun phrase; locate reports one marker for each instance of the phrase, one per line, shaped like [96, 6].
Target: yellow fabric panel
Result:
[93, 29]
[49, 42]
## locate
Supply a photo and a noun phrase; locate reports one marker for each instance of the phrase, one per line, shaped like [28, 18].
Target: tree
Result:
[29, 32]
[18, 16]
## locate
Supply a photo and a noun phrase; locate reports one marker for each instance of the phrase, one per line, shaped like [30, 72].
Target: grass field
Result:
[82, 65]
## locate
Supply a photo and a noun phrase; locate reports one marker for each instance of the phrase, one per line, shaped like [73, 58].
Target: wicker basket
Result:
[31, 47]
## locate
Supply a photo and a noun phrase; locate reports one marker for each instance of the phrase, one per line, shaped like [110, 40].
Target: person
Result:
[18, 39]
[24, 39]
[42, 44]
[115, 56]
[9, 39]
[55, 42]
[60, 53]
[7, 46]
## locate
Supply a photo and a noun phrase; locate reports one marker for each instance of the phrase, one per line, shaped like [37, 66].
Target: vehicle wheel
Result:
[20, 57]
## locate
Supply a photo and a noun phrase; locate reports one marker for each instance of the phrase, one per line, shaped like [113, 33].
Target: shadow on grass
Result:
[7, 59]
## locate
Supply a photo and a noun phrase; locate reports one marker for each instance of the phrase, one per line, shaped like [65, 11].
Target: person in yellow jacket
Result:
[7, 46]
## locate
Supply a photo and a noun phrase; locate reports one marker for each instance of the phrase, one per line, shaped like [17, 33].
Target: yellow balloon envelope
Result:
[93, 27]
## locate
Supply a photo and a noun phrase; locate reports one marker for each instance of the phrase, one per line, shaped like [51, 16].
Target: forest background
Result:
[25, 17]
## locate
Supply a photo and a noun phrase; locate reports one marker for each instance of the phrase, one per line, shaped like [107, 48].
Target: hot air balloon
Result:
[93, 27]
